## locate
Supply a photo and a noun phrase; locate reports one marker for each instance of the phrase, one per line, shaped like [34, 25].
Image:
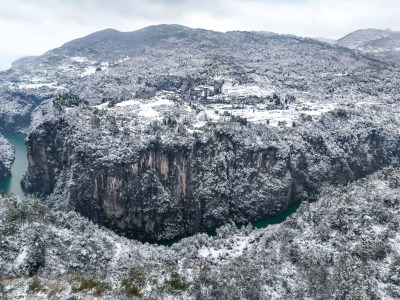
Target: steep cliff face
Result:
[6, 157]
[233, 173]
[167, 192]
[44, 158]
[4, 172]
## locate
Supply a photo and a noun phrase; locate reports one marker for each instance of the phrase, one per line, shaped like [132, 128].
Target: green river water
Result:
[11, 185]
[259, 224]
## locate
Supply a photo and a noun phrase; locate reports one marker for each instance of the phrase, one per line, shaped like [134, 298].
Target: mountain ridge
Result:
[172, 131]
[350, 40]
[182, 52]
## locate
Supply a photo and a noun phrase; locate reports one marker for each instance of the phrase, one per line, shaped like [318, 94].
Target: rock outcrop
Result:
[6, 157]
[167, 188]
[4, 172]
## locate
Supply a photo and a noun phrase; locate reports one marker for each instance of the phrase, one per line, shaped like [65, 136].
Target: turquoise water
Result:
[12, 185]
[259, 224]
[278, 218]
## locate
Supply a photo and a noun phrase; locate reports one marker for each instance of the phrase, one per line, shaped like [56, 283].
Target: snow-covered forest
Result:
[199, 66]
[170, 131]
[141, 166]
[345, 245]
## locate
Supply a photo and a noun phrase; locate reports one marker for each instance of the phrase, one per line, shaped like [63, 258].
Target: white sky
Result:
[31, 27]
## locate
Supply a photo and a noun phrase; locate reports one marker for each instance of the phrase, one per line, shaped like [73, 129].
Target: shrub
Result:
[35, 286]
[87, 284]
[130, 289]
[102, 287]
[19, 211]
[68, 100]
[340, 113]
[177, 283]
[305, 117]
[54, 289]
[137, 276]
[2, 291]
[36, 258]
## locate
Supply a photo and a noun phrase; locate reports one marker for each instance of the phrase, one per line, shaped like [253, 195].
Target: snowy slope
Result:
[343, 245]
[383, 44]
[114, 65]
[359, 38]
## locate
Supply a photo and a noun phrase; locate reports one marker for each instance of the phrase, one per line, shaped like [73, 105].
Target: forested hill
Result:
[170, 131]
[383, 44]
[112, 65]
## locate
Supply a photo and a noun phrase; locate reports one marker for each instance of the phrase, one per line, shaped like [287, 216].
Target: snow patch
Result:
[21, 257]
[79, 59]
[230, 250]
[89, 71]
[38, 85]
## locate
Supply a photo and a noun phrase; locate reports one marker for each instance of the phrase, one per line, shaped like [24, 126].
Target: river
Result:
[12, 185]
[258, 224]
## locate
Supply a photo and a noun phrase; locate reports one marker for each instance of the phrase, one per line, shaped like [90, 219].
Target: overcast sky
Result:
[31, 27]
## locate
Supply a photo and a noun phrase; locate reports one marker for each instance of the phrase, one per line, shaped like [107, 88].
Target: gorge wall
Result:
[235, 173]
[6, 157]
[4, 172]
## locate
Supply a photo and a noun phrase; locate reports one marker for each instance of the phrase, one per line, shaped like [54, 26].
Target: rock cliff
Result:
[4, 172]
[6, 157]
[172, 184]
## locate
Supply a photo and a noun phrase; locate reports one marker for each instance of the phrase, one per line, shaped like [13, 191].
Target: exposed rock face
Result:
[167, 192]
[178, 192]
[4, 172]
[164, 190]
[43, 159]
[6, 157]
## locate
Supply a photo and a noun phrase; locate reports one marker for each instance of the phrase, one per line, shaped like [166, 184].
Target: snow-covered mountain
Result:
[165, 91]
[371, 39]
[383, 44]
[169, 131]
[156, 169]
[170, 96]
[114, 65]
[23, 61]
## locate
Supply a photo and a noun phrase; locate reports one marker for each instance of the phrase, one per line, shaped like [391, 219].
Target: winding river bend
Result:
[12, 185]
[258, 224]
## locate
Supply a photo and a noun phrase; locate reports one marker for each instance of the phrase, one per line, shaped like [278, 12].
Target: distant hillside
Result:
[325, 40]
[361, 38]
[110, 64]
[384, 44]
[113, 43]
[23, 61]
